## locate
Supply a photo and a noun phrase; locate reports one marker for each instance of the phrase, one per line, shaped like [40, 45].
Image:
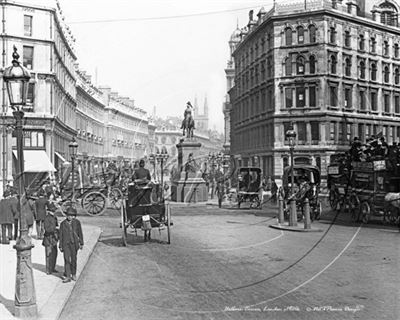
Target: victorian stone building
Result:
[62, 101]
[329, 68]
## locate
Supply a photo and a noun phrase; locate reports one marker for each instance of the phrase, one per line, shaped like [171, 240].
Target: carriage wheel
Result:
[365, 211]
[94, 203]
[168, 223]
[115, 198]
[333, 199]
[123, 225]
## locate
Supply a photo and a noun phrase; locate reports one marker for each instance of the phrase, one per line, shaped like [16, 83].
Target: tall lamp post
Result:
[291, 137]
[16, 78]
[161, 157]
[152, 161]
[73, 148]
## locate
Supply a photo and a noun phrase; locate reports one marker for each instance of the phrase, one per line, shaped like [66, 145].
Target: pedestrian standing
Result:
[50, 240]
[71, 240]
[7, 212]
[28, 212]
[40, 213]
[220, 191]
[13, 202]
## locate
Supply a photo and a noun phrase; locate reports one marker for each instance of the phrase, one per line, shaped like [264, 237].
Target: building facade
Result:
[330, 69]
[45, 46]
[62, 102]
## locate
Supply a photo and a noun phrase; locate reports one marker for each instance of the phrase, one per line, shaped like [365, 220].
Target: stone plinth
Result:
[188, 186]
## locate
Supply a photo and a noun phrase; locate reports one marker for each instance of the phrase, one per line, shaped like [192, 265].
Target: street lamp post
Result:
[291, 137]
[152, 161]
[161, 157]
[16, 78]
[73, 148]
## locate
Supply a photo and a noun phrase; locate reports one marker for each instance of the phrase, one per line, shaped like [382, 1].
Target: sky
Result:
[162, 62]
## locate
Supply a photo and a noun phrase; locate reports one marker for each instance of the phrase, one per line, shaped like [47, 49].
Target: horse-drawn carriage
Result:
[249, 186]
[77, 190]
[307, 180]
[144, 209]
[374, 191]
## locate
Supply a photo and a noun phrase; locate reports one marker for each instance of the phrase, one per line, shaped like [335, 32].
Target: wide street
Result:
[229, 264]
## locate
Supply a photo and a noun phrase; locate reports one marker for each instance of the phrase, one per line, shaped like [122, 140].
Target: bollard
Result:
[307, 220]
[281, 218]
[293, 213]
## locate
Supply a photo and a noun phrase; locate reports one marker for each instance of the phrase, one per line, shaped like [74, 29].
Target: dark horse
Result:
[188, 125]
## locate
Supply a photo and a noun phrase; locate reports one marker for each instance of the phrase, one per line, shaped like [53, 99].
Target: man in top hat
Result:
[71, 240]
[7, 213]
[50, 239]
[40, 212]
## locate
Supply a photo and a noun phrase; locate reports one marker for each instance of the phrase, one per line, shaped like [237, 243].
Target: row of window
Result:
[262, 101]
[258, 137]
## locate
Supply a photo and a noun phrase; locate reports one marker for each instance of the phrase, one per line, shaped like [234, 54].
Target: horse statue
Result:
[188, 121]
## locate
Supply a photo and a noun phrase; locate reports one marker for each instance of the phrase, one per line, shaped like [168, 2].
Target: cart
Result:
[89, 197]
[371, 183]
[249, 186]
[312, 175]
[143, 209]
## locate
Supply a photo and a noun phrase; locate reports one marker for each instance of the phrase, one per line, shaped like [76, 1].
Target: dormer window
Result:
[389, 14]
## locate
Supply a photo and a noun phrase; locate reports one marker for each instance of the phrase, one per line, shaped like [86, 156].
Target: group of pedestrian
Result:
[39, 209]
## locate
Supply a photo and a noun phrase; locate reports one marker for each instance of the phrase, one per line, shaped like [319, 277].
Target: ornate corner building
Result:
[330, 68]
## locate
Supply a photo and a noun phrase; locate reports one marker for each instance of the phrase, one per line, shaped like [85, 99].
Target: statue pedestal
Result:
[189, 185]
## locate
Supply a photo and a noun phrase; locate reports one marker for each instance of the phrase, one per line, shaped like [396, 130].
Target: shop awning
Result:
[36, 161]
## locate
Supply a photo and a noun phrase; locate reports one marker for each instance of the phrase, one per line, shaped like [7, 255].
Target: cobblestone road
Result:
[228, 264]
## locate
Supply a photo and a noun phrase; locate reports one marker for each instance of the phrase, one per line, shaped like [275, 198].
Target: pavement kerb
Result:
[53, 307]
[298, 228]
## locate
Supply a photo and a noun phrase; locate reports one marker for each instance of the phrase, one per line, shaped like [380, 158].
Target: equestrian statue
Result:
[188, 121]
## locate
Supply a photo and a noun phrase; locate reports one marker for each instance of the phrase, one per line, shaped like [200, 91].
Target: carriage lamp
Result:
[16, 79]
[73, 148]
[291, 137]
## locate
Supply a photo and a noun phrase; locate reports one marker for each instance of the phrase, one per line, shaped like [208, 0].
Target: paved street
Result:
[228, 264]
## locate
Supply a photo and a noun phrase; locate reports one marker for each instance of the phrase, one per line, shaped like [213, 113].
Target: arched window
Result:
[388, 14]
[361, 43]
[288, 67]
[312, 34]
[288, 36]
[333, 64]
[332, 35]
[396, 76]
[386, 74]
[347, 67]
[362, 70]
[312, 64]
[385, 48]
[300, 65]
[396, 50]
[373, 45]
[373, 71]
[300, 35]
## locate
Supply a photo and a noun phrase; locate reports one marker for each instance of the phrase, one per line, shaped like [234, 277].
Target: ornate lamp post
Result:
[161, 157]
[16, 78]
[73, 148]
[152, 161]
[291, 137]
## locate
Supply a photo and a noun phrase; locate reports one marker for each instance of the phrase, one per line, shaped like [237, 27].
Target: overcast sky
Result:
[163, 62]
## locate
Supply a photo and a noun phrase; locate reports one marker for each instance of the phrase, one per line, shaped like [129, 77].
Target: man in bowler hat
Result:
[71, 240]
[50, 240]
[7, 212]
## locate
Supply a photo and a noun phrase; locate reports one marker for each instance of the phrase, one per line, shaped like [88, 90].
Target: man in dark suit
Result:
[40, 213]
[71, 240]
[142, 173]
[50, 240]
[7, 212]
